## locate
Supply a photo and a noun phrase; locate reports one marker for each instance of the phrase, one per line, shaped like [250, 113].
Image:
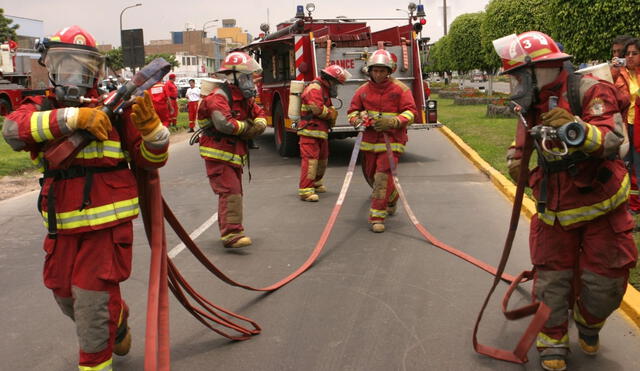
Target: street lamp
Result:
[131, 6]
[205, 24]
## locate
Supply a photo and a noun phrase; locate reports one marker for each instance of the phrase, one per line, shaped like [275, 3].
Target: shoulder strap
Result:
[573, 93]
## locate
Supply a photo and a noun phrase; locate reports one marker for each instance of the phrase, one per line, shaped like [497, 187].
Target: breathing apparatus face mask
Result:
[73, 72]
[246, 85]
[523, 88]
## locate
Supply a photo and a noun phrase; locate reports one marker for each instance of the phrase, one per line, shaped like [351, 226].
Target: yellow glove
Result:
[92, 120]
[256, 128]
[144, 116]
[513, 164]
[557, 117]
[315, 110]
[386, 123]
[333, 116]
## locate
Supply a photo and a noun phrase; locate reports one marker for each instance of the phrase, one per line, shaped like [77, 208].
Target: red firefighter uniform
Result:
[391, 98]
[171, 90]
[585, 228]
[160, 102]
[88, 208]
[314, 135]
[228, 117]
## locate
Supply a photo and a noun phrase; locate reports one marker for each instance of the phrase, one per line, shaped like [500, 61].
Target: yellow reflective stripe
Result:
[241, 127]
[409, 116]
[353, 114]
[222, 155]
[377, 213]
[305, 107]
[381, 147]
[97, 149]
[325, 112]
[104, 366]
[539, 52]
[593, 139]
[38, 162]
[39, 124]
[590, 212]
[634, 192]
[230, 236]
[314, 133]
[152, 157]
[204, 123]
[261, 119]
[96, 215]
[545, 341]
[306, 191]
[577, 316]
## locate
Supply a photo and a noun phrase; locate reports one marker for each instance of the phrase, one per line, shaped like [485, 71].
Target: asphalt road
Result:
[386, 301]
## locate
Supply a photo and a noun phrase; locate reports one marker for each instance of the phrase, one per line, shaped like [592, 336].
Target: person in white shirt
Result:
[193, 97]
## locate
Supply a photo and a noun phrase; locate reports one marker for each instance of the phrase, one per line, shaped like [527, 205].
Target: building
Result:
[233, 36]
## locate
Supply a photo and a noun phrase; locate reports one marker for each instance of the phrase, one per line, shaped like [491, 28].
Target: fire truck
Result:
[14, 82]
[299, 49]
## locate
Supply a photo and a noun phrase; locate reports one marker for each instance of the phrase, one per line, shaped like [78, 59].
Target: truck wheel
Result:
[5, 107]
[286, 142]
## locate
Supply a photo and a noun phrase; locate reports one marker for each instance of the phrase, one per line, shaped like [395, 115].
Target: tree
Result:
[467, 53]
[586, 27]
[114, 59]
[7, 32]
[171, 58]
[506, 17]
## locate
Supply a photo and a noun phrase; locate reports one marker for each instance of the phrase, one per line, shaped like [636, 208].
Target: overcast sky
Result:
[159, 17]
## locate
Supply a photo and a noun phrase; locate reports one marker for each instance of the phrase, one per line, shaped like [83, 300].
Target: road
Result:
[386, 301]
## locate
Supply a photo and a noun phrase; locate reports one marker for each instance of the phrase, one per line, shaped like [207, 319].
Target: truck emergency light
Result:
[420, 12]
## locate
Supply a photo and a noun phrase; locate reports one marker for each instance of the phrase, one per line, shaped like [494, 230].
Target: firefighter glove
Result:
[254, 129]
[93, 120]
[333, 116]
[513, 164]
[557, 117]
[386, 123]
[315, 110]
[146, 120]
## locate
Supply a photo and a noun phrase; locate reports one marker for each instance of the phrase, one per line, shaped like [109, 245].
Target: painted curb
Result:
[630, 303]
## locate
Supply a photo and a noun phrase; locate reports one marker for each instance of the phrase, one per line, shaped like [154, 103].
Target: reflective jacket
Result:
[171, 90]
[226, 114]
[317, 126]
[595, 181]
[389, 98]
[113, 197]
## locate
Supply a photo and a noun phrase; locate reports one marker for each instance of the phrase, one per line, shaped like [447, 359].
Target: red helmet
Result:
[382, 58]
[336, 72]
[526, 49]
[72, 59]
[240, 62]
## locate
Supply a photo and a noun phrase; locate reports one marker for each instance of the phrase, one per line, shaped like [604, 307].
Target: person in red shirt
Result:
[230, 117]
[87, 207]
[389, 105]
[171, 90]
[161, 102]
[317, 116]
[580, 238]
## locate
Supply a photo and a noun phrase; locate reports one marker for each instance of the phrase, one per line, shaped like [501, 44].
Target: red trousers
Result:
[173, 117]
[226, 182]
[193, 113]
[84, 271]
[163, 113]
[314, 153]
[590, 263]
[375, 166]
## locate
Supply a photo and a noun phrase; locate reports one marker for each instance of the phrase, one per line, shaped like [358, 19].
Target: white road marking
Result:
[181, 246]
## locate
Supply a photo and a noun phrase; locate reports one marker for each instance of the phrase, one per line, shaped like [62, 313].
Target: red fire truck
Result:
[13, 82]
[299, 49]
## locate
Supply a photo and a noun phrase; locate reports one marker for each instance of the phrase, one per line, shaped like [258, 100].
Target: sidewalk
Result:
[630, 303]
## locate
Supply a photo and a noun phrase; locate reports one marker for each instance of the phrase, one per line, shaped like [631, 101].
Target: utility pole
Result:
[444, 14]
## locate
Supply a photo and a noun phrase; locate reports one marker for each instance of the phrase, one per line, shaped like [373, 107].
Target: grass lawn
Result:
[13, 163]
[490, 137]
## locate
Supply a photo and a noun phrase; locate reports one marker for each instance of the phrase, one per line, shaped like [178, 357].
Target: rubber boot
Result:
[241, 242]
[554, 359]
[590, 344]
[377, 227]
[122, 343]
[310, 198]
[391, 209]
[321, 189]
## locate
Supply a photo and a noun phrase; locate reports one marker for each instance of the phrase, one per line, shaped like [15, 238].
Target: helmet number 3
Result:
[527, 44]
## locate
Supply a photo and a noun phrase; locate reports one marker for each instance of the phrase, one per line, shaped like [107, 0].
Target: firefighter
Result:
[580, 239]
[317, 116]
[87, 207]
[161, 102]
[171, 90]
[230, 117]
[388, 106]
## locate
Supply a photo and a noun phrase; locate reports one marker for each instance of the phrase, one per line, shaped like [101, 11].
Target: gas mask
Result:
[73, 72]
[246, 85]
[523, 88]
[333, 89]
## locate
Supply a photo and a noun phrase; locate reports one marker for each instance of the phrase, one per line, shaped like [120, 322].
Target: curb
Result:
[630, 305]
